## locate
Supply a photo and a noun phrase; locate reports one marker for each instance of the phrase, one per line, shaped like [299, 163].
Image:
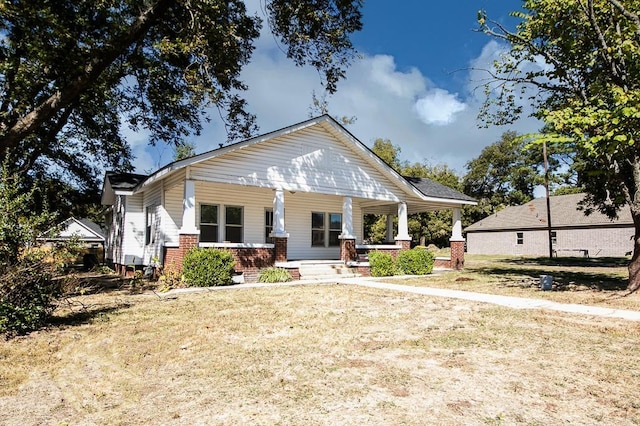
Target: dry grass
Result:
[318, 355]
[598, 282]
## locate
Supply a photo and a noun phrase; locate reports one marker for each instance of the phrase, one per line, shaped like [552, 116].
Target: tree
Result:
[587, 92]
[73, 72]
[184, 150]
[427, 227]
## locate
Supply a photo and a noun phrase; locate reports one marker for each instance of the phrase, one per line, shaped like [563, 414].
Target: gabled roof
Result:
[119, 183]
[565, 213]
[432, 188]
[86, 229]
[422, 189]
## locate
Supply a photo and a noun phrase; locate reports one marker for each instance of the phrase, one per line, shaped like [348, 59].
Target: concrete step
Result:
[321, 271]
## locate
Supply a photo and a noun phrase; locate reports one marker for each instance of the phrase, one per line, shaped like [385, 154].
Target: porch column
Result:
[389, 237]
[280, 236]
[189, 234]
[347, 239]
[456, 242]
[189, 209]
[403, 238]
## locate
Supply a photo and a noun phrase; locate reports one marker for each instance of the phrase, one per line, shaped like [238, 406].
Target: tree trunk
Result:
[634, 264]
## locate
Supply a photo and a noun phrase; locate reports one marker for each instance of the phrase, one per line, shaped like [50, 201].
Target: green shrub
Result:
[274, 275]
[27, 295]
[204, 267]
[382, 264]
[417, 261]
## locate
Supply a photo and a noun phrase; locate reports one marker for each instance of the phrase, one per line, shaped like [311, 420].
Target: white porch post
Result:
[278, 215]
[403, 223]
[347, 219]
[389, 228]
[189, 209]
[456, 232]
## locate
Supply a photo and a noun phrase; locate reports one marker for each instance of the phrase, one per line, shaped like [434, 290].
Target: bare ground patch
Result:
[319, 355]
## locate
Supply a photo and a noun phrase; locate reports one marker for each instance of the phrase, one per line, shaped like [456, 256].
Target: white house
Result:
[299, 193]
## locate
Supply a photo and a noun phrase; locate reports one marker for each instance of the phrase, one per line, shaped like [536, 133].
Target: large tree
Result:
[73, 72]
[581, 60]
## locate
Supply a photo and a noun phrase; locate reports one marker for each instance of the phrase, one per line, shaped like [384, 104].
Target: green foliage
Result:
[184, 150]
[27, 293]
[417, 261]
[382, 264]
[75, 73]
[274, 275]
[204, 267]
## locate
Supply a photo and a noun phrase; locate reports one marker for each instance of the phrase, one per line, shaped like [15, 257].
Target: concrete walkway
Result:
[508, 301]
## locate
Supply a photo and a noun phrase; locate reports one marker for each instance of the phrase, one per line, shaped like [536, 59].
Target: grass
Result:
[595, 281]
[323, 354]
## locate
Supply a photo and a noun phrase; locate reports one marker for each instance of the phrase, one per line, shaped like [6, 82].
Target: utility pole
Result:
[546, 187]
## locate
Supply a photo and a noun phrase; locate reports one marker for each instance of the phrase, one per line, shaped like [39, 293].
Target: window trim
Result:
[234, 225]
[519, 238]
[268, 228]
[217, 224]
[326, 229]
[149, 225]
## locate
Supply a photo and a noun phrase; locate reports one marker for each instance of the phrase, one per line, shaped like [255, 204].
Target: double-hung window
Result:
[233, 224]
[519, 238]
[268, 226]
[149, 225]
[208, 223]
[325, 229]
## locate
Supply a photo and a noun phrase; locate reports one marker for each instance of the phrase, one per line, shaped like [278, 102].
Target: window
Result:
[554, 238]
[317, 229]
[519, 238]
[233, 224]
[208, 223]
[268, 226]
[149, 225]
[325, 229]
[335, 229]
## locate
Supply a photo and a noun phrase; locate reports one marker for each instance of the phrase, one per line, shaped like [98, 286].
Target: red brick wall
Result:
[457, 254]
[280, 249]
[252, 260]
[348, 250]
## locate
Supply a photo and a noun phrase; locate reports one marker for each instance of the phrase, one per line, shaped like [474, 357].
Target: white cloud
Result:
[429, 123]
[439, 107]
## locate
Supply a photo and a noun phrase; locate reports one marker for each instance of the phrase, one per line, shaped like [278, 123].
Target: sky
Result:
[416, 83]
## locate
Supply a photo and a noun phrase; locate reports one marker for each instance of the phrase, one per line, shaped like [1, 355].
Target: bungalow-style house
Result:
[298, 193]
[523, 230]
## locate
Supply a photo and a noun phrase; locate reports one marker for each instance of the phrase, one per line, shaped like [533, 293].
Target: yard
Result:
[332, 354]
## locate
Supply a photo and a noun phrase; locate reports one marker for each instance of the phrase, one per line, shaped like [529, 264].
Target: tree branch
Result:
[100, 61]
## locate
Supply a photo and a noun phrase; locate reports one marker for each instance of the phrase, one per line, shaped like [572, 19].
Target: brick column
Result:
[280, 249]
[185, 243]
[457, 254]
[405, 244]
[348, 250]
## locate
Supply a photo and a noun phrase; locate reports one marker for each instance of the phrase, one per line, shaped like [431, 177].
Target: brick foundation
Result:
[251, 260]
[348, 251]
[457, 254]
[280, 249]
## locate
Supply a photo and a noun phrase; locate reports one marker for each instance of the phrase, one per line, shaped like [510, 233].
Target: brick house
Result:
[523, 230]
[298, 193]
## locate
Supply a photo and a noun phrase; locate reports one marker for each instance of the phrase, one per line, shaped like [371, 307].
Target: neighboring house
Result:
[523, 230]
[86, 231]
[299, 193]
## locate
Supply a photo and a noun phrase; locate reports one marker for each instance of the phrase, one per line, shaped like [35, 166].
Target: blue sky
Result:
[414, 84]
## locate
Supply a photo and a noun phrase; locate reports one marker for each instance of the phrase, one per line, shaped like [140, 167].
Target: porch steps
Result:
[324, 271]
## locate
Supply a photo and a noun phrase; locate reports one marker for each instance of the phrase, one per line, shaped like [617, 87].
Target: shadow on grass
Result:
[85, 315]
[563, 280]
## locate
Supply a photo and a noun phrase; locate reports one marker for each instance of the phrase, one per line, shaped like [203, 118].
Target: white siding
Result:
[172, 213]
[152, 199]
[308, 161]
[133, 229]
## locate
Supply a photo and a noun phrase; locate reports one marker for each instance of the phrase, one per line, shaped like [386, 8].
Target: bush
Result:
[203, 267]
[382, 264]
[27, 295]
[417, 261]
[274, 275]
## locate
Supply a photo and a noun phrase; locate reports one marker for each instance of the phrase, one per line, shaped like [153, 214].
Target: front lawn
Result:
[318, 354]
